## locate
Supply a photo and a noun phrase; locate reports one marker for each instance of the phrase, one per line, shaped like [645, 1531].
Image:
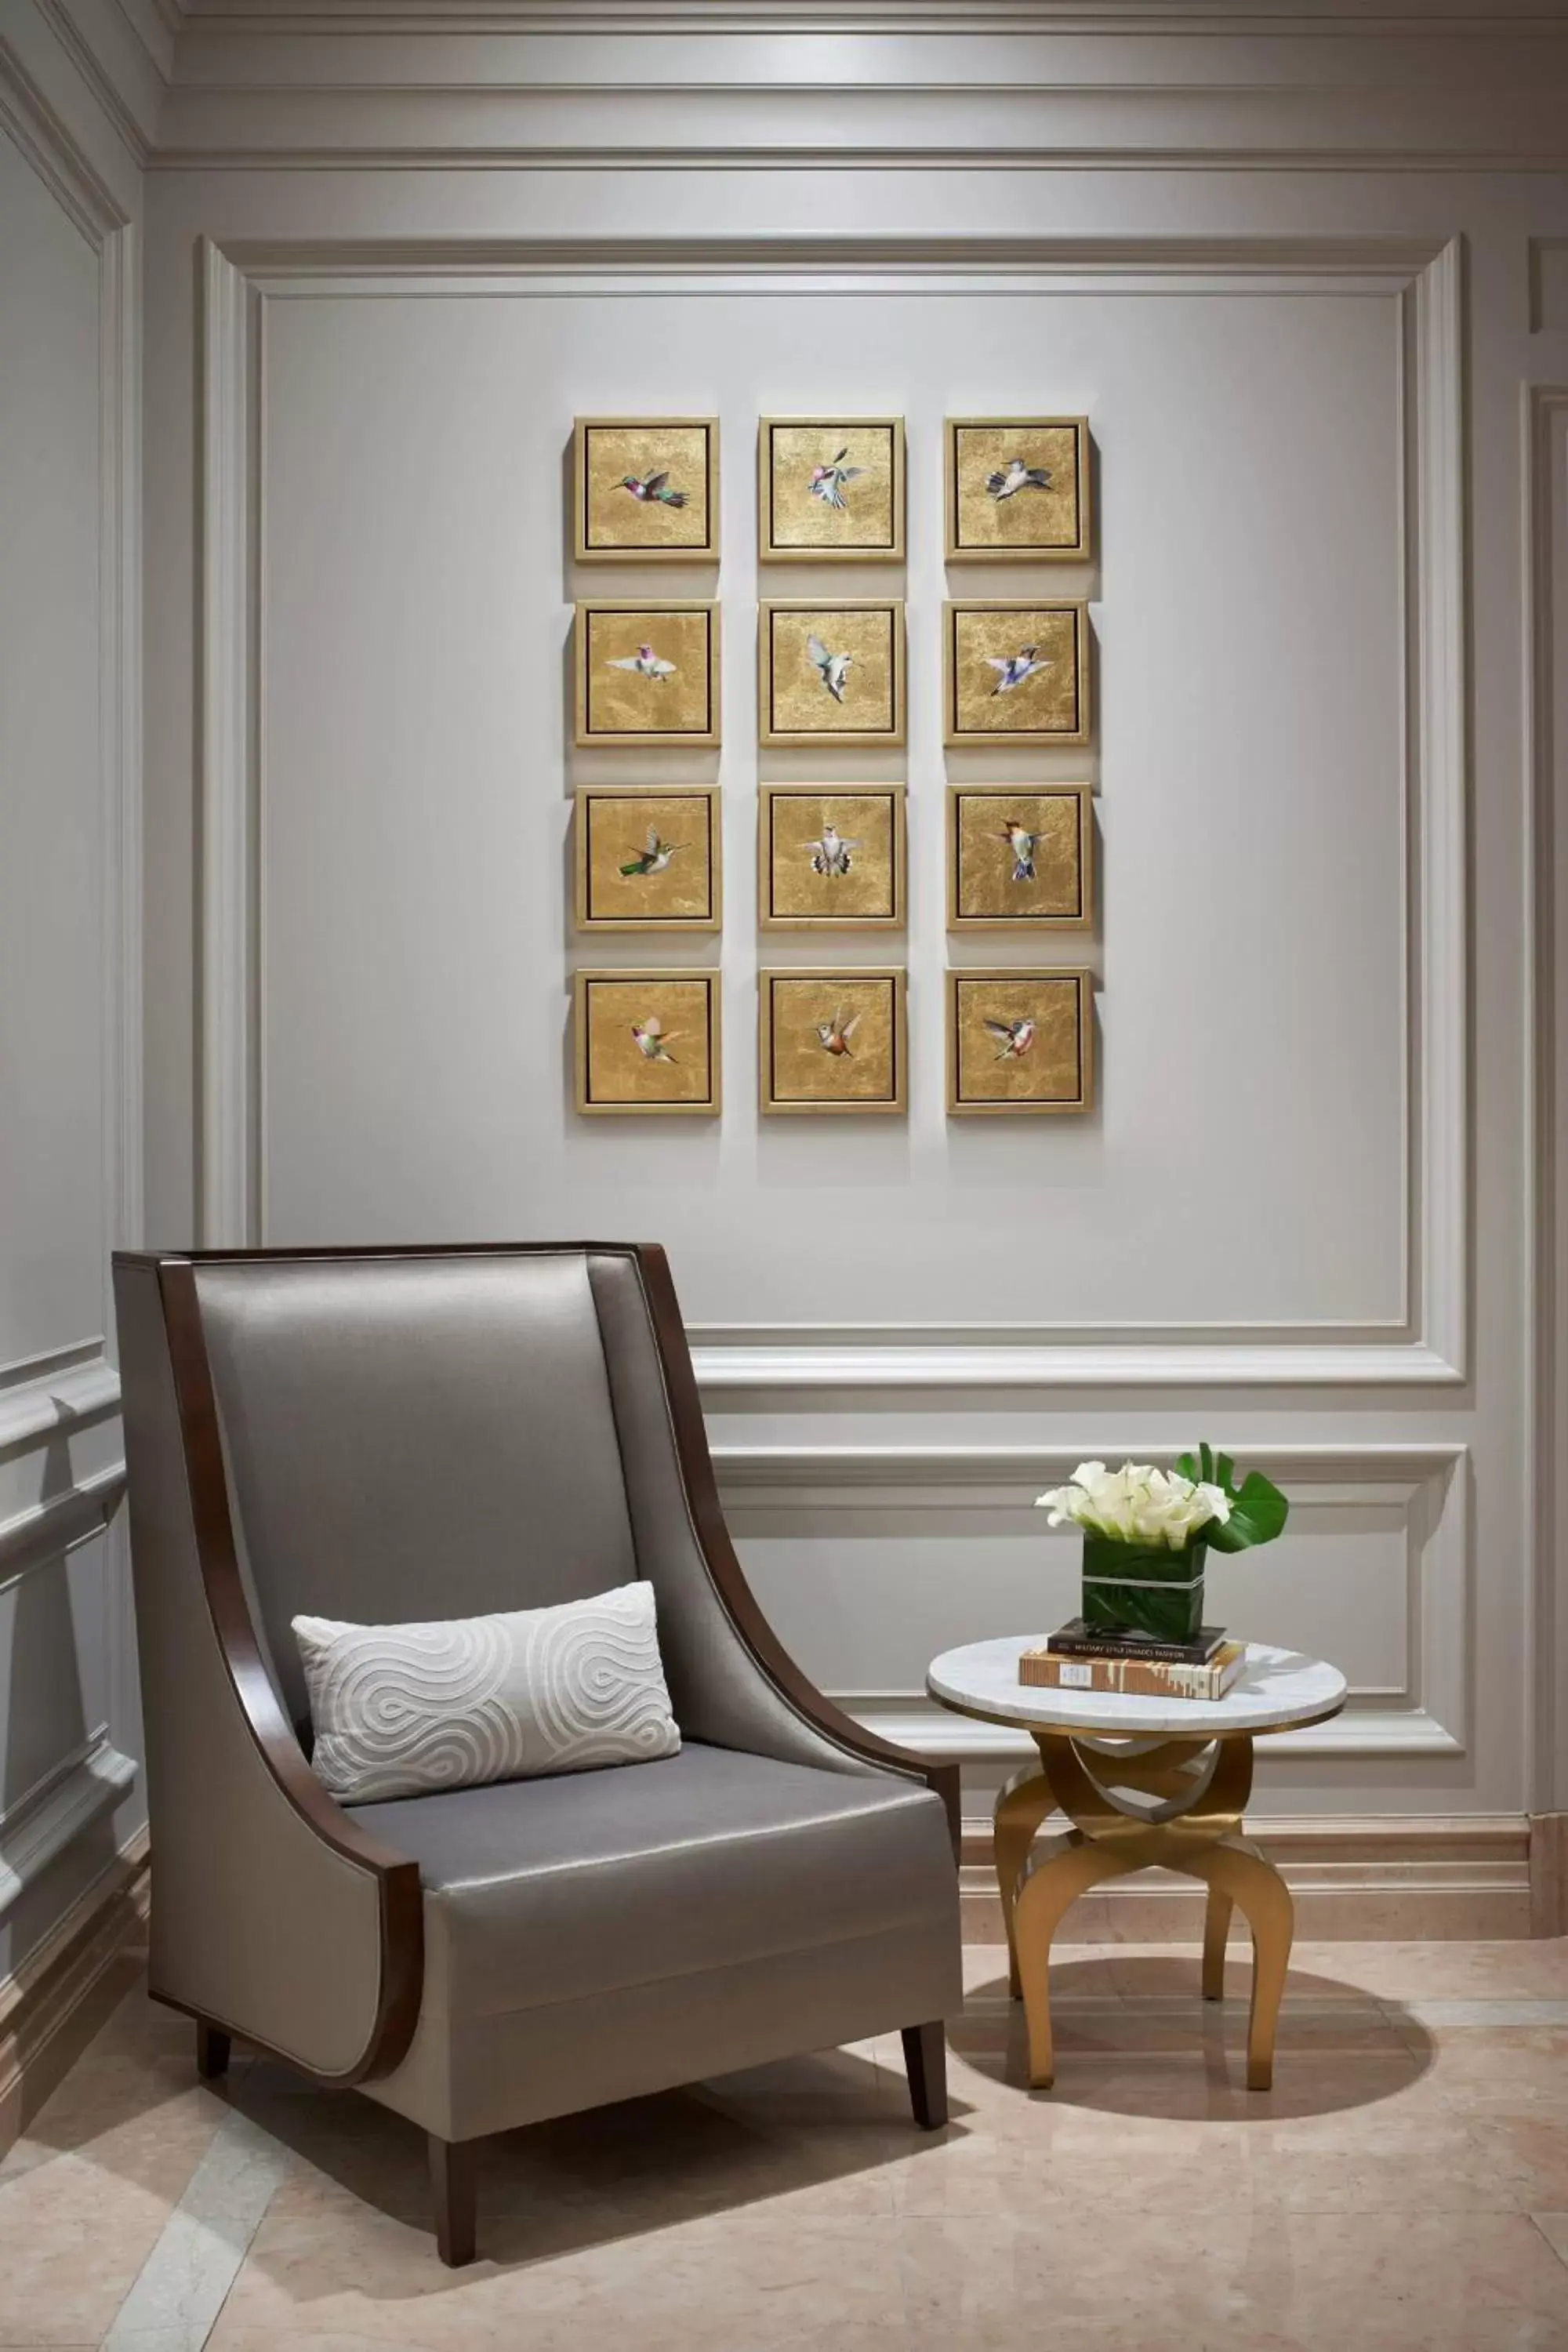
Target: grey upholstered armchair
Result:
[384, 1436]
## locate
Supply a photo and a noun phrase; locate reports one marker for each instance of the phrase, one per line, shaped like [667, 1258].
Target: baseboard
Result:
[63, 1991]
[1404, 1878]
[1549, 1873]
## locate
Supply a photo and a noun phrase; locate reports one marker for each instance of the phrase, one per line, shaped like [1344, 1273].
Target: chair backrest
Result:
[387, 1436]
[411, 1437]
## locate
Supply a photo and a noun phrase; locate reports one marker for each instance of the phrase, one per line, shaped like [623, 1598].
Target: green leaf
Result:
[1257, 1514]
[1258, 1509]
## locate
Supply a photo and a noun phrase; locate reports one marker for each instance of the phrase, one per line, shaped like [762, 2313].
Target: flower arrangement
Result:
[1147, 1532]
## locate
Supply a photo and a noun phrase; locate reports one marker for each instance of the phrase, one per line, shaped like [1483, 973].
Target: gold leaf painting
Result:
[830, 490]
[831, 673]
[648, 1041]
[645, 488]
[648, 859]
[1015, 672]
[1019, 1041]
[647, 673]
[830, 854]
[1020, 855]
[1017, 486]
[832, 1041]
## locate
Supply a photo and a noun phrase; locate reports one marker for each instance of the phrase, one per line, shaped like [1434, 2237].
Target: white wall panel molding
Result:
[38, 1826]
[1419, 280]
[1545, 1011]
[52, 1529]
[1424, 1712]
[73, 1388]
[227, 724]
[68, 1388]
[40, 135]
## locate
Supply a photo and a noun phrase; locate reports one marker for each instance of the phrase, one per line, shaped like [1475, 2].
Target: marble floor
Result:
[1404, 2185]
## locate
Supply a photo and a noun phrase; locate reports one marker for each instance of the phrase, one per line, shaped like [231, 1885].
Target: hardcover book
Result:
[1134, 1677]
[1077, 1640]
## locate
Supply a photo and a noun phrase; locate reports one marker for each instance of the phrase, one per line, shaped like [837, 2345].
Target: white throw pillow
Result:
[401, 1710]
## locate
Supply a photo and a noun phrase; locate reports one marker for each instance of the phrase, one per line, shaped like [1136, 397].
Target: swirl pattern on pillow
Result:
[398, 1710]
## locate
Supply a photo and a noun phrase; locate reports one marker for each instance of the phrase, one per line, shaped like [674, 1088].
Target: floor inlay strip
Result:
[181, 2287]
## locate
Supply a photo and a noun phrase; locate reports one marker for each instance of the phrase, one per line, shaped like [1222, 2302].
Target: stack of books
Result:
[1132, 1665]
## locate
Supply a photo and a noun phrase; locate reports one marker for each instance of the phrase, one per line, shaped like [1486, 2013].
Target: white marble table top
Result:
[1276, 1689]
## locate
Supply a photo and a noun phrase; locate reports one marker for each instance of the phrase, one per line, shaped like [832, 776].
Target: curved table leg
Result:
[1201, 1787]
[1216, 1929]
[1051, 1888]
[1020, 1809]
[1239, 1874]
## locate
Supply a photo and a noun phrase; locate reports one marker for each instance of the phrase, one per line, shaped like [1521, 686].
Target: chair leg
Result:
[925, 2062]
[452, 2184]
[212, 2052]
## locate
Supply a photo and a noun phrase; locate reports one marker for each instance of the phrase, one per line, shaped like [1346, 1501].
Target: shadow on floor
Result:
[1156, 2048]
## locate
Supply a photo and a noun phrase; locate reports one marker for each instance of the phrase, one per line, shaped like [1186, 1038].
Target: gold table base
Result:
[1199, 1790]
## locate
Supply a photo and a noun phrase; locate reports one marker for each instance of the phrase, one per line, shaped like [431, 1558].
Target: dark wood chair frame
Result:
[452, 2164]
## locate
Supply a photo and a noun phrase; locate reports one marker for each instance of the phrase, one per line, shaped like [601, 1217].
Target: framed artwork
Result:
[830, 490]
[832, 1041]
[648, 1041]
[1017, 856]
[647, 673]
[830, 854]
[646, 489]
[1015, 671]
[1017, 486]
[648, 857]
[1019, 1042]
[831, 673]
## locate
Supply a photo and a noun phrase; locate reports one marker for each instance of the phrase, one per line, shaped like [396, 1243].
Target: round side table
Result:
[1145, 1782]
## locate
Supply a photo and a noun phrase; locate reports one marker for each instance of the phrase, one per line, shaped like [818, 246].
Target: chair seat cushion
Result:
[539, 1891]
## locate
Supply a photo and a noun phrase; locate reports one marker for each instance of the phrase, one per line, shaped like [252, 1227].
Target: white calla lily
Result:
[1137, 1504]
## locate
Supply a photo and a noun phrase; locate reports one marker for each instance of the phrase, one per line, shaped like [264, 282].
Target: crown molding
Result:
[1356, 19]
[481, 106]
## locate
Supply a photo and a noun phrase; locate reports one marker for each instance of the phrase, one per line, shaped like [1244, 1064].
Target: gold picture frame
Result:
[645, 489]
[618, 1072]
[998, 509]
[830, 672]
[1020, 857]
[830, 490]
[861, 1067]
[1051, 1070]
[648, 857]
[831, 856]
[1015, 669]
[647, 673]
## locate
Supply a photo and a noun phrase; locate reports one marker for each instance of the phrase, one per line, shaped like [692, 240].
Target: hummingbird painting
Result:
[826, 482]
[655, 857]
[834, 1035]
[652, 489]
[645, 662]
[1014, 477]
[650, 1040]
[1023, 845]
[1016, 667]
[831, 854]
[1014, 1038]
[832, 669]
